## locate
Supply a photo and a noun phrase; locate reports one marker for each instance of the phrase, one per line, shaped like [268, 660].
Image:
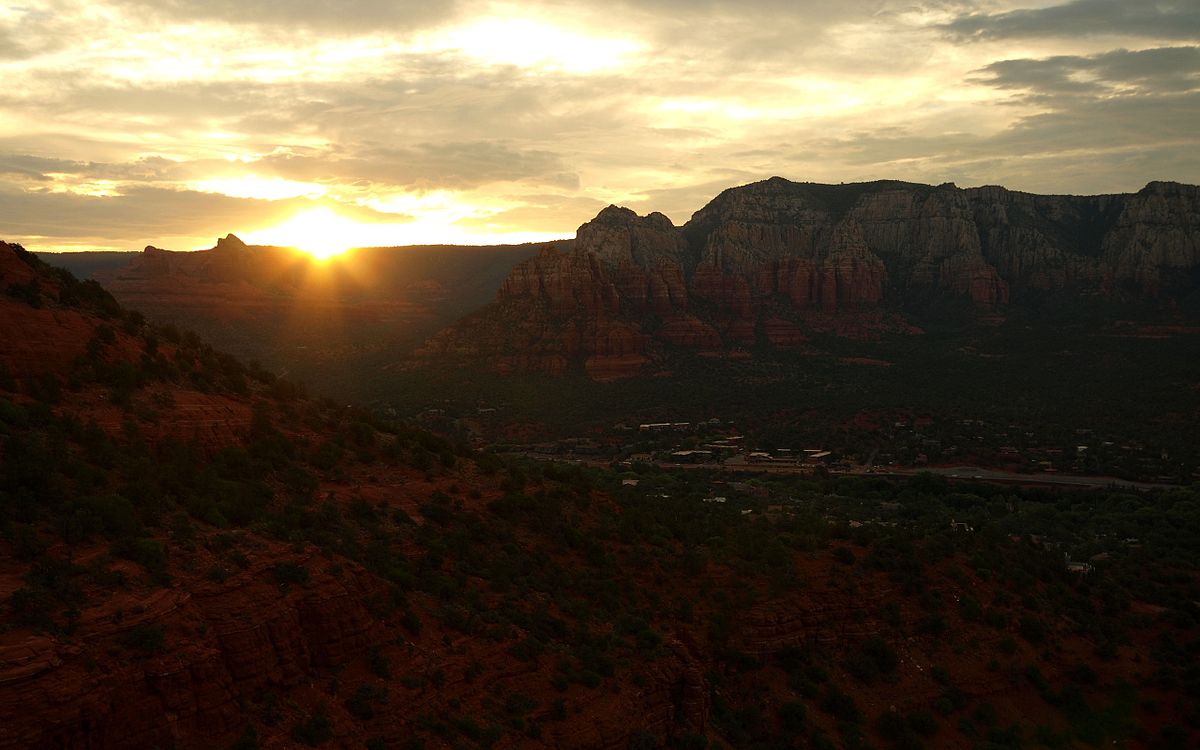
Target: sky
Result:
[172, 122]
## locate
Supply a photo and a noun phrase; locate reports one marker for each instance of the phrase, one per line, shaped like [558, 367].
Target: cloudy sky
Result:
[170, 122]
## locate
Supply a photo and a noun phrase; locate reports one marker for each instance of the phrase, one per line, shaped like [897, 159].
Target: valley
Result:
[964, 518]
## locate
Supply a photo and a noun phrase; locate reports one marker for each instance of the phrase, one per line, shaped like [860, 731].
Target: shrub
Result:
[792, 717]
[248, 740]
[379, 664]
[1032, 629]
[149, 553]
[362, 704]
[288, 573]
[315, 731]
[32, 608]
[146, 637]
[840, 706]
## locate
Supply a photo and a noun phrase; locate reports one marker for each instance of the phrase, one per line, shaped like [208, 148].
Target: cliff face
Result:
[766, 263]
[583, 306]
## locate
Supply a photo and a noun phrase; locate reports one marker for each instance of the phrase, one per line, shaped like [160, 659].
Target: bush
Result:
[876, 657]
[379, 664]
[884, 656]
[362, 704]
[840, 706]
[32, 608]
[148, 638]
[149, 553]
[288, 573]
[316, 731]
[116, 514]
[792, 717]
[1032, 629]
[248, 740]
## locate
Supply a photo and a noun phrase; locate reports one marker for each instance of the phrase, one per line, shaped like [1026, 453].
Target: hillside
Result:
[193, 554]
[775, 263]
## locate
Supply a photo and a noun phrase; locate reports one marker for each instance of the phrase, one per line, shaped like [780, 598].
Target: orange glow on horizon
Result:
[319, 232]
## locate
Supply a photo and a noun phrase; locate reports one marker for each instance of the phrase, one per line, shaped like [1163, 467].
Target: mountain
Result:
[86, 264]
[325, 323]
[193, 554]
[771, 263]
[436, 280]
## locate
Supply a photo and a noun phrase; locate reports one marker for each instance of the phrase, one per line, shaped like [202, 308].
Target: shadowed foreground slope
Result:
[193, 554]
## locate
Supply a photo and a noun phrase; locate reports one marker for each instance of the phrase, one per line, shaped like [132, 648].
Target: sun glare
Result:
[530, 43]
[319, 232]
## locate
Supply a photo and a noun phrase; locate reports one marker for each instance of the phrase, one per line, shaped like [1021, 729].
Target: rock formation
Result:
[763, 264]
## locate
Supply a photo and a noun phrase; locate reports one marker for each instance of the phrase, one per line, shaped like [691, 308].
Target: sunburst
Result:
[320, 232]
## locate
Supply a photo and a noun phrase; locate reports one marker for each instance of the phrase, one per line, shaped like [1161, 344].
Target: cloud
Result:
[1081, 141]
[327, 16]
[1163, 19]
[10, 46]
[151, 215]
[679, 203]
[40, 168]
[427, 166]
[1124, 72]
[36, 27]
[553, 212]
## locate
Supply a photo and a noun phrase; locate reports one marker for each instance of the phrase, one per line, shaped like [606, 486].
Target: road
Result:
[953, 473]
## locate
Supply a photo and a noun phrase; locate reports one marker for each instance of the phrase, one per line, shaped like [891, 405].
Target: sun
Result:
[320, 232]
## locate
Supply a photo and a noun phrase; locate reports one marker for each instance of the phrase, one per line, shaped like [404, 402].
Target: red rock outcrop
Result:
[762, 244]
[582, 306]
[770, 261]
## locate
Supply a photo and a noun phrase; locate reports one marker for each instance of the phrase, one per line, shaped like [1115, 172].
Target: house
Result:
[751, 489]
[691, 456]
[1081, 568]
[630, 482]
[721, 447]
[960, 526]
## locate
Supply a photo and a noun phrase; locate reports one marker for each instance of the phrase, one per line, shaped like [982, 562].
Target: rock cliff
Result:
[766, 263]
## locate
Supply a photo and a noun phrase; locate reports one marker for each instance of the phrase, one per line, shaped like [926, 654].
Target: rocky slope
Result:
[138, 610]
[194, 555]
[769, 262]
